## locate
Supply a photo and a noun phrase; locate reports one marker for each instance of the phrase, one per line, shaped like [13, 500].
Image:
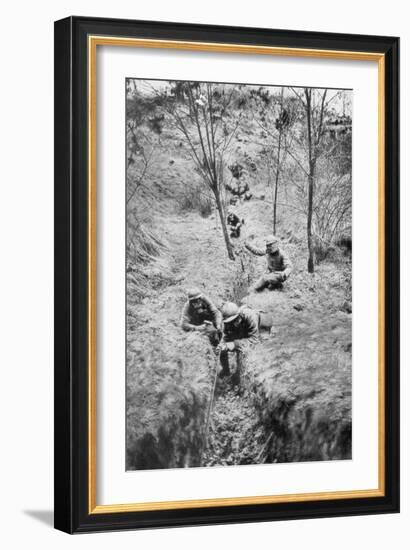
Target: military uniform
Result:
[245, 332]
[278, 264]
[240, 333]
[193, 318]
[235, 224]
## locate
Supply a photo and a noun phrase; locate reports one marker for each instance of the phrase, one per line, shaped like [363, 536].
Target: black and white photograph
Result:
[238, 274]
[191, 338]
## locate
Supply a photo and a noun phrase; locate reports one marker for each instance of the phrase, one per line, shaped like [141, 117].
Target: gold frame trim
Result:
[93, 42]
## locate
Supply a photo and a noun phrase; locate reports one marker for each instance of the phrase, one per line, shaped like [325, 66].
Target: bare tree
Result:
[326, 166]
[326, 142]
[314, 105]
[275, 115]
[206, 117]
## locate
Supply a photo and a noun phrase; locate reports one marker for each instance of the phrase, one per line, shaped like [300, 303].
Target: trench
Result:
[293, 402]
[169, 387]
[235, 434]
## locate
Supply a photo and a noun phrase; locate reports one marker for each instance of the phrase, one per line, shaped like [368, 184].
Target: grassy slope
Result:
[301, 373]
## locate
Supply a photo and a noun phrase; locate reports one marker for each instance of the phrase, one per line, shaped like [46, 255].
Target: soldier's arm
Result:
[216, 314]
[255, 249]
[185, 319]
[287, 266]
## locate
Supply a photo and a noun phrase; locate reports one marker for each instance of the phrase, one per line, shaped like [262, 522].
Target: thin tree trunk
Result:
[221, 212]
[275, 199]
[309, 225]
[310, 181]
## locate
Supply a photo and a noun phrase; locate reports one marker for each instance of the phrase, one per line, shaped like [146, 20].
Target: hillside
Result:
[294, 402]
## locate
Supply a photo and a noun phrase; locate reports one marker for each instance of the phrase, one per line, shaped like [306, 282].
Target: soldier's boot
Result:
[273, 282]
[224, 371]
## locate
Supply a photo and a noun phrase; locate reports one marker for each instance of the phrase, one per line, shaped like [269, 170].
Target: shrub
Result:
[194, 200]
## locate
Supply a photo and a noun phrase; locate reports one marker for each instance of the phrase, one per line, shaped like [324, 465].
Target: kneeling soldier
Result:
[279, 266]
[199, 313]
[234, 223]
[240, 332]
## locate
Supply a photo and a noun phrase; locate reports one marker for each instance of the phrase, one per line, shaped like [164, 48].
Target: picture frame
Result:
[77, 40]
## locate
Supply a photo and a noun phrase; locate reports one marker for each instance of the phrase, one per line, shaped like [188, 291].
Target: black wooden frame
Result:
[71, 275]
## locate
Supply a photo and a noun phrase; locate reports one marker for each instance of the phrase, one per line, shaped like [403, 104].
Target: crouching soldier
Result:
[240, 333]
[278, 264]
[234, 223]
[200, 314]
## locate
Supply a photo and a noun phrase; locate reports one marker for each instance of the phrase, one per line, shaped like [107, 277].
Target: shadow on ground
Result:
[43, 516]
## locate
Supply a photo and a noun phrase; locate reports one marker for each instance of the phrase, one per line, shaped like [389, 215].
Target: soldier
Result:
[234, 223]
[279, 266]
[239, 188]
[200, 314]
[240, 333]
[243, 188]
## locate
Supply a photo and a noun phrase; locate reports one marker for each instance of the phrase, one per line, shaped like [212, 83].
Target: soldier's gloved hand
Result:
[230, 346]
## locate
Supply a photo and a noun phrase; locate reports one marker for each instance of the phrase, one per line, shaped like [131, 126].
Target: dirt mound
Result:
[301, 378]
[301, 372]
[168, 389]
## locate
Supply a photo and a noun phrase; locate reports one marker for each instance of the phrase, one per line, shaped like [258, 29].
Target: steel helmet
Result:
[194, 293]
[272, 242]
[230, 311]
